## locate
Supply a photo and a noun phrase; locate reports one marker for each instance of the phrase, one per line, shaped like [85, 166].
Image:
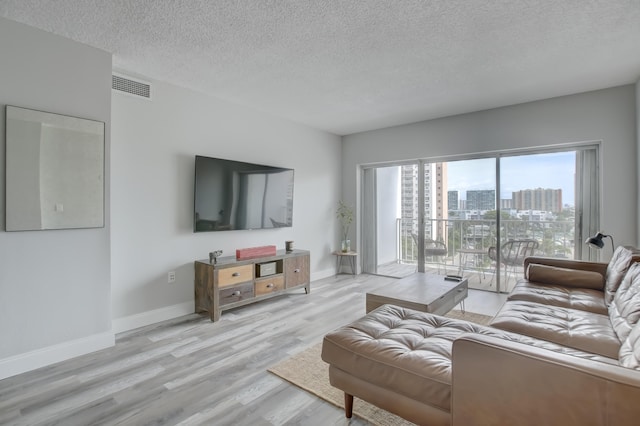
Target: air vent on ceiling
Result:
[132, 87]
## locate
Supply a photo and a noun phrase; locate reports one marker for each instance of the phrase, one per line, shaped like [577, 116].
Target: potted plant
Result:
[345, 214]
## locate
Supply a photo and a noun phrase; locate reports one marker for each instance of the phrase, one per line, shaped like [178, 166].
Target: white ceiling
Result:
[347, 66]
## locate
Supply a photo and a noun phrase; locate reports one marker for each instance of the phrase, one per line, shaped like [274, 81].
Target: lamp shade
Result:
[596, 241]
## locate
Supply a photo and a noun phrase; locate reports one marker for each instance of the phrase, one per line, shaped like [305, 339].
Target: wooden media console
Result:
[230, 283]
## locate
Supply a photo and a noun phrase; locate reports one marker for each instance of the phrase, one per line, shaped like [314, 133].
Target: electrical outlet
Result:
[171, 277]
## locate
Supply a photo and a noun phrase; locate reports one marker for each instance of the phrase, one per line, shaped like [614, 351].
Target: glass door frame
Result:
[497, 155]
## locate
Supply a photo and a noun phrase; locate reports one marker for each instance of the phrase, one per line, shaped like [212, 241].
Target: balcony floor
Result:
[479, 279]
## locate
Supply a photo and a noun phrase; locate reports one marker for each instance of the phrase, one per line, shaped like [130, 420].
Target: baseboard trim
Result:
[322, 274]
[143, 319]
[43, 357]
[120, 325]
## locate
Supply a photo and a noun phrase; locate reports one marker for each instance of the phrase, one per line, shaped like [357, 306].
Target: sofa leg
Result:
[348, 405]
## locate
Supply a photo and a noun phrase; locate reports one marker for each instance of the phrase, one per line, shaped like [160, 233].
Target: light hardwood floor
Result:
[190, 371]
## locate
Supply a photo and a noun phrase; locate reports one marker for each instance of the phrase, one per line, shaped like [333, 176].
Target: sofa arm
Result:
[583, 265]
[499, 382]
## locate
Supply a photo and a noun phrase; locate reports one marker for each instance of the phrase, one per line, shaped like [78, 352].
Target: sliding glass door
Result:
[472, 210]
[538, 210]
[388, 248]
[479, 217]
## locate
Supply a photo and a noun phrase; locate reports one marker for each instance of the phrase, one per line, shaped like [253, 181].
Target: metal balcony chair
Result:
[434, 248]
[512, 255]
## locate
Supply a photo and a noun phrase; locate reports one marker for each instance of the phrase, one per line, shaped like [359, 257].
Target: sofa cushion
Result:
[630, 349]
[583, 299]
[582, 330]
[625, 308]
[564, 276]
[405, 351]
[409, 352]
[620, 262]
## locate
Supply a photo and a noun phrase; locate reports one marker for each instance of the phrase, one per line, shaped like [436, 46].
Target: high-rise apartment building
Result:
[441, 206]
[435, 199]
[506, 203]
[481, 199]
[453, 200]
[409, 199]
[549, 200]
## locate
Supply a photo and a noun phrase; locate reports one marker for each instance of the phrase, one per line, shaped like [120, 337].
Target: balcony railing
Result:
[465, 236]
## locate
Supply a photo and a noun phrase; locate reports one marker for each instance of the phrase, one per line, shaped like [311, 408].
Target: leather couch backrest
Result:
[624, 311]
[564, 276]
[620, 262]
[630, 350]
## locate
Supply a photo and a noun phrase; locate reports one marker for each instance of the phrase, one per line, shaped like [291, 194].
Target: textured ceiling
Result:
[354, 65]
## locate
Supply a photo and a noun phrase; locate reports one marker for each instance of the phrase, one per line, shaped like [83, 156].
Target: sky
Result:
[552, 170]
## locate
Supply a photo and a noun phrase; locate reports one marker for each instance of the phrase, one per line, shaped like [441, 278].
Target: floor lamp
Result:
[597, 241]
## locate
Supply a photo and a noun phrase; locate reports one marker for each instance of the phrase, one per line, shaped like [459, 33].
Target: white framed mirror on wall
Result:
[54, 171]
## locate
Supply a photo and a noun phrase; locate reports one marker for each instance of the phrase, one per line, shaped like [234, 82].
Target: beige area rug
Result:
[307, 371]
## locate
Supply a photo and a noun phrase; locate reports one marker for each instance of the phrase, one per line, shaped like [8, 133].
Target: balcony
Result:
[468, 243]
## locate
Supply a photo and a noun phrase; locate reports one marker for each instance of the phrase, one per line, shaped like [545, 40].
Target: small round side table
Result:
[351, 257]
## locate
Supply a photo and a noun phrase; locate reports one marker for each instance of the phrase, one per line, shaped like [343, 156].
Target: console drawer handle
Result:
[236, 293]
[270, 285]
[235, 274]
[296, 270]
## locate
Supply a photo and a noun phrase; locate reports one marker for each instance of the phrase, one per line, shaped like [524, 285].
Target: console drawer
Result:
[461, 294]
[235, 275]
[269, 285]
[442, 305]
[236, 293]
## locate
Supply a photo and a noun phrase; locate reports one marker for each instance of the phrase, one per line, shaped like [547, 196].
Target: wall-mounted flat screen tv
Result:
[231, 195]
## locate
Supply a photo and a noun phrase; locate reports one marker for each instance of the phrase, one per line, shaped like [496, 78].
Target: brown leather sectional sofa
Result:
[563, 350]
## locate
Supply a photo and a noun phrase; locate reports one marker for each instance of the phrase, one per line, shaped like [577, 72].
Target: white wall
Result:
[54, 285]
[154, 145]
[608, 115]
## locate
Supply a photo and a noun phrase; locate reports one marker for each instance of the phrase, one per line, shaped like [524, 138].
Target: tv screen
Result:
[232, 195]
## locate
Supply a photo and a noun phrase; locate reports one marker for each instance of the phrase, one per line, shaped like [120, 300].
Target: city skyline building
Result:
[441, 207]
[544, 199]
[435, 199]
[481, 199]
[409, 199]
[452, 202]
[506, 203]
